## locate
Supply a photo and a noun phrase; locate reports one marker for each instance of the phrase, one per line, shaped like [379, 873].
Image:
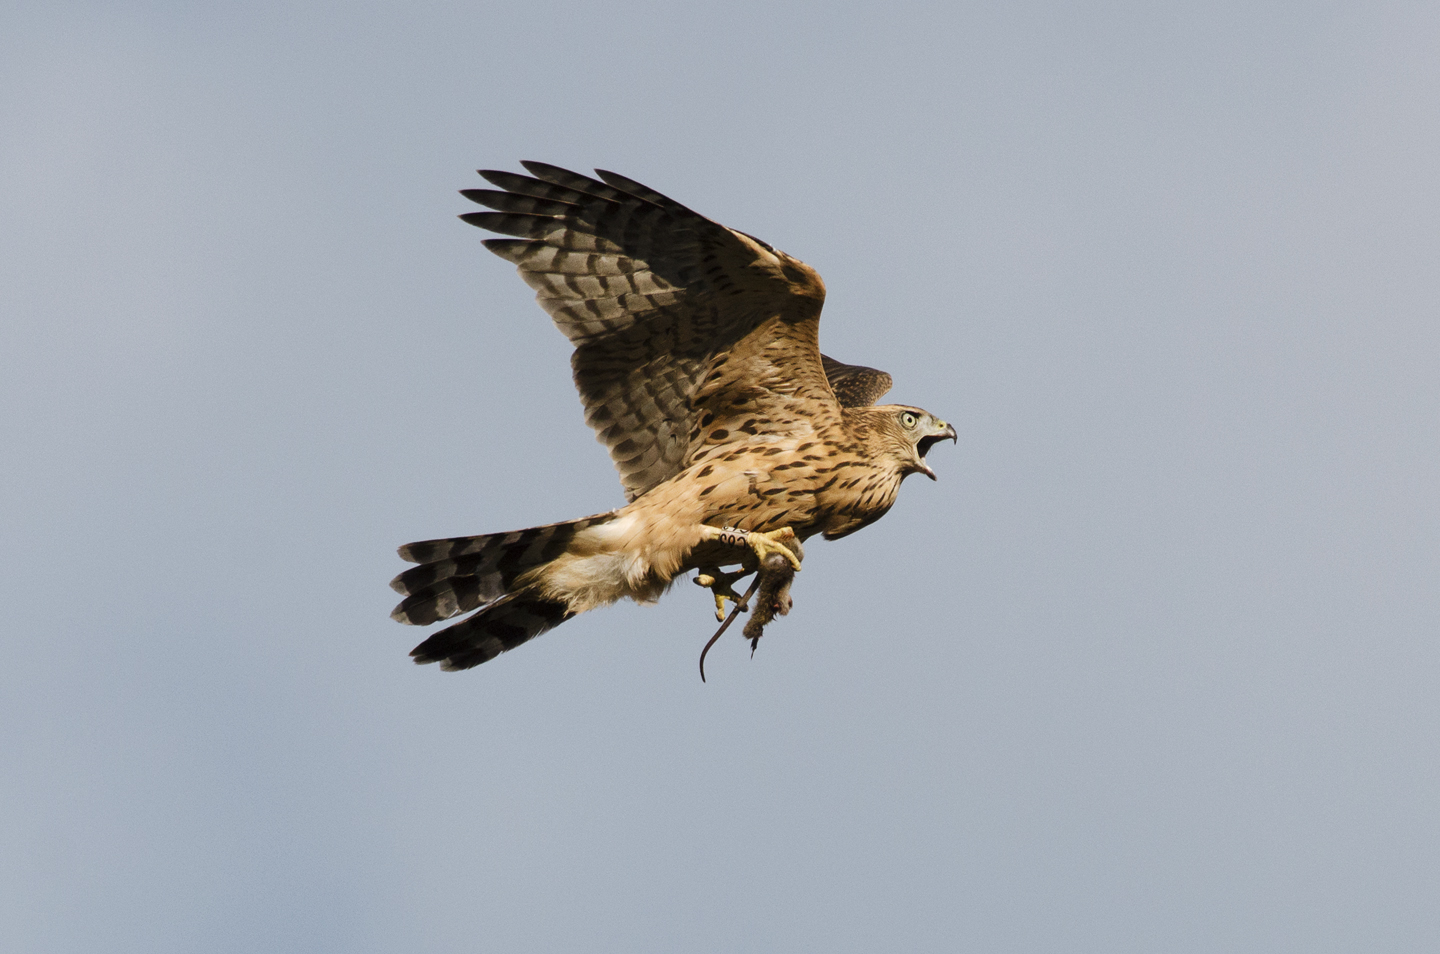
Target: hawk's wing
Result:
[656, 299]
[856, 385]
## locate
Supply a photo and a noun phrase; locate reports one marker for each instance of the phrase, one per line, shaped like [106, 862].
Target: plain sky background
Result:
[1153, 666]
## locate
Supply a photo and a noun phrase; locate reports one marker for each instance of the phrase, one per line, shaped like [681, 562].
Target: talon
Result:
[721, 584]
[782, 541]
[775, 541]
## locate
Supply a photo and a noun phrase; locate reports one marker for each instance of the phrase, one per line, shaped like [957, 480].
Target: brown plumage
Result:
[698, 363]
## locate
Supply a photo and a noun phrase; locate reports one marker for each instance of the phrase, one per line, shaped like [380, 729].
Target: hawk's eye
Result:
[908, 419]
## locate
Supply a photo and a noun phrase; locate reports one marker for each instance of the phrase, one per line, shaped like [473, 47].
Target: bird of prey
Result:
[697, 360]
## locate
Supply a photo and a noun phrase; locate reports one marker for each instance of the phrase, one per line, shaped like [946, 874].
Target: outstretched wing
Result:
[675, 318]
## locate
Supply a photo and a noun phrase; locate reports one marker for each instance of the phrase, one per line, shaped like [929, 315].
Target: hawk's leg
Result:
[723, 586]
[782, 541]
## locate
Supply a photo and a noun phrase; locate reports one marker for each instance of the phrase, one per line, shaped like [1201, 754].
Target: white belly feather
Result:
[601, 565]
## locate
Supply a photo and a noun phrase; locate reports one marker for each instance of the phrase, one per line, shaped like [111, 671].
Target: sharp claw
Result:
[765, 544]
[721, 584]
[762, 545]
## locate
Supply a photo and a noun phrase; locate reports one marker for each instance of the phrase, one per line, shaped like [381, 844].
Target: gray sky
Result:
[1153, 666]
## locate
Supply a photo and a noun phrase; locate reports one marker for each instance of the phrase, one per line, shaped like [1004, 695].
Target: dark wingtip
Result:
[539, 169]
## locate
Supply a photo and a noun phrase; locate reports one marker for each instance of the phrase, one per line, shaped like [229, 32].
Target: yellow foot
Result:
[722, 585]
[782, 541]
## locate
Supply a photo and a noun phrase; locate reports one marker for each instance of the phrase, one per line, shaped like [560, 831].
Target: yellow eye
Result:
[908, 419]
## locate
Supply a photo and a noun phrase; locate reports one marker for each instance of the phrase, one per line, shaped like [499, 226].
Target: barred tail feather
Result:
[504, 624]
[460, 574]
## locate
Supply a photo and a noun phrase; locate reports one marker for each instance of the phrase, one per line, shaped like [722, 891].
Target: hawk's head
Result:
[917, 431]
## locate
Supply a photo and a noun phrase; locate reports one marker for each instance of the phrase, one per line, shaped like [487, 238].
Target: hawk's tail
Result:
[503, 624]
[461, 574]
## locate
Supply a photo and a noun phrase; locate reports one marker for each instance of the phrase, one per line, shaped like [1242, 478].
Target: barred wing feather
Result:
[652, 295]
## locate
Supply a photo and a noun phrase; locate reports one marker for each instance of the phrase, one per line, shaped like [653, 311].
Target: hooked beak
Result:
[929, 441]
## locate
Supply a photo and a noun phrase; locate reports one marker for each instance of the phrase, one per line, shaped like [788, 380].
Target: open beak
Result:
[929, 441]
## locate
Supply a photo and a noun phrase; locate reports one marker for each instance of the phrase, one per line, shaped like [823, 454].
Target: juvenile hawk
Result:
[697, 360]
